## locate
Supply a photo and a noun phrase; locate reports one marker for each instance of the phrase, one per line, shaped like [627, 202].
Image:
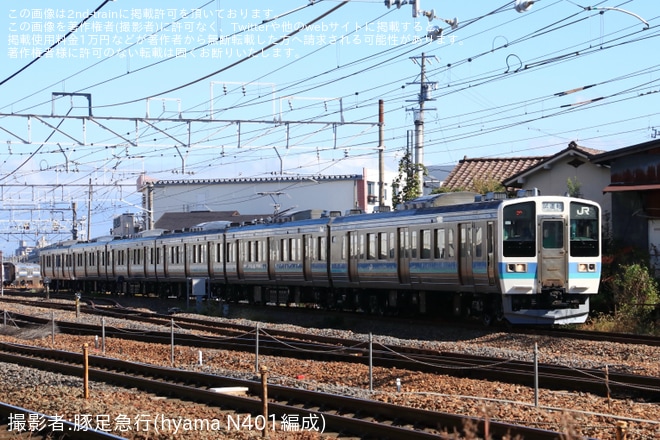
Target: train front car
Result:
[549, 253]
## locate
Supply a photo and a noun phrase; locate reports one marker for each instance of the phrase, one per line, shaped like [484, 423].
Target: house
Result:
[551, 175]
[634, 186]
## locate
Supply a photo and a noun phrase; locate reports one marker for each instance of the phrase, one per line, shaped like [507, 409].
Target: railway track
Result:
[343, 416]
[111, 307]
[289, 344]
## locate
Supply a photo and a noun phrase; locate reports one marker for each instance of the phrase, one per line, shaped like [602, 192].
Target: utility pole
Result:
[425, 88]
[381, 153]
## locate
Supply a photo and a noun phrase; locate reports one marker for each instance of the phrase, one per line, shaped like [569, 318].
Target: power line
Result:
[56, 43]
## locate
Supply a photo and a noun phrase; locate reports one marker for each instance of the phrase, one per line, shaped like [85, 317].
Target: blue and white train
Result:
[529, 260]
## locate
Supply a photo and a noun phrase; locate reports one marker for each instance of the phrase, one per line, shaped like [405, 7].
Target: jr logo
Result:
[584, 210]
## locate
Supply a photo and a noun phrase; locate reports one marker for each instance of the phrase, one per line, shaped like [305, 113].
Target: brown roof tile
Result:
[499, 169]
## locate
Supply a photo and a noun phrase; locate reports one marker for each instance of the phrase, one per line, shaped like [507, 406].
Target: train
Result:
[530, 259]
[21, 275]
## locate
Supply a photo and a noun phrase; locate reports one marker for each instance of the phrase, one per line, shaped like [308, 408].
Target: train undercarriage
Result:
[382, 302]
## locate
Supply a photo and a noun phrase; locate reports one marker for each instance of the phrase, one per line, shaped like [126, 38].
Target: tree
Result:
[407, 186]
[574, 186]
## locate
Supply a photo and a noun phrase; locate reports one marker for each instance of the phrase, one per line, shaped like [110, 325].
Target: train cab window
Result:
[518, 230]
[584, 235]
[425, 244]
[439, 243]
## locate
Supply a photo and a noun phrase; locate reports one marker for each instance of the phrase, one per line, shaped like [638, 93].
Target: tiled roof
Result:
[579, 153]
[463, 175]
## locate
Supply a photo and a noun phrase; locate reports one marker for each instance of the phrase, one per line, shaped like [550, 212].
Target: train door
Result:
[353, 254]
[465, 275]
[403, 263]
[554, 270]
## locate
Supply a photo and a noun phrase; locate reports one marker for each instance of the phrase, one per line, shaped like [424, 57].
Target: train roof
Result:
[427, 209]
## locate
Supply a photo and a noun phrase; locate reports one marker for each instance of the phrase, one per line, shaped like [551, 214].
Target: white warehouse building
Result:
[261, 196]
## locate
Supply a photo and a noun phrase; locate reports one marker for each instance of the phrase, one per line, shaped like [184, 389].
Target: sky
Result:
[95, 93]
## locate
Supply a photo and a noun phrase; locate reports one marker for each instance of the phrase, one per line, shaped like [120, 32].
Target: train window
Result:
[361, 246]
[391, 245]
[322, 251]
[382, 245]
[450, 244]
[404, 251]
[478, 242]
[584, 235]
[553, 234]
[372, 250]
[229, 255]
[295, 249]
[439, 243]
[414, 244]
[425, 244]
[344, 250]
[519, 232]
[285, 250]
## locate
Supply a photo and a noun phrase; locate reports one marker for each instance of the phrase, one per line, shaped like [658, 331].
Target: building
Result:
[261, 196]
[578, 164]
[634, 186]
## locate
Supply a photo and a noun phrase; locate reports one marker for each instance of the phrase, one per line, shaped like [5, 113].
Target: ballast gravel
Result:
[134, 414]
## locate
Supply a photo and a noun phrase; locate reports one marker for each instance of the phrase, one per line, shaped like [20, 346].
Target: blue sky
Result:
[262, 88]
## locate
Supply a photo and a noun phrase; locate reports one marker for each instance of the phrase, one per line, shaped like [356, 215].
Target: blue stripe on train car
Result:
[573, 272]
[438, 267]
[338, 268]
[375, 267]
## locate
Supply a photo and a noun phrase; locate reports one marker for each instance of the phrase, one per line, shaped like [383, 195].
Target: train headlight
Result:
[586, 267]
[516, 267]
